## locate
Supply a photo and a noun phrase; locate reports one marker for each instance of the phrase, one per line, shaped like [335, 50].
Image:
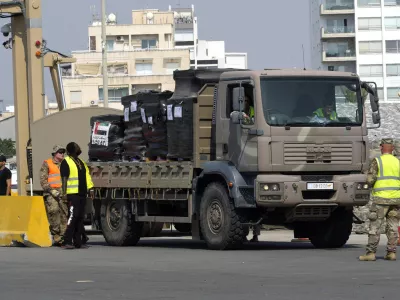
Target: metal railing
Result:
[339, 29]
[339, 6]
[346, 53]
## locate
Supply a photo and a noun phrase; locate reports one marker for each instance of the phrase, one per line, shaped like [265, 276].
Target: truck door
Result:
[241, 147]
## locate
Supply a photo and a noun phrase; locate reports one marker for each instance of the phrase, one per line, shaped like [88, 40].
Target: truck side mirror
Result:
[374, 102]
[237, 98]
[376, 117]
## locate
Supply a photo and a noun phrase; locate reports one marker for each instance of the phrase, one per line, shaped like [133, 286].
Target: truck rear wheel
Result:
[152, 229]
[220, 223]
[335, 232]
[118, 225]
[183, 227]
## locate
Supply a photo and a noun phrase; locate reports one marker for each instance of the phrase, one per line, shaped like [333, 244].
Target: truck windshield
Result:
[311, 102]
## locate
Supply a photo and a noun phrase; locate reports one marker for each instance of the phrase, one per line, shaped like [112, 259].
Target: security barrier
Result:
[23, 222]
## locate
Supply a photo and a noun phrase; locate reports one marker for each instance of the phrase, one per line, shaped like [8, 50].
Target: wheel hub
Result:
[215, 217]
[113, 216]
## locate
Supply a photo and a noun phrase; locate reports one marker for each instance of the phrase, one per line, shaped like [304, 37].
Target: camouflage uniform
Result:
[381, 209]
[56, 208]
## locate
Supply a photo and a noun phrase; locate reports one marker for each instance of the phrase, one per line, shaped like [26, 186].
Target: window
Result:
[393, 93]
[369, 24]
[392, 23]
[362, 3]
[392, 2]
[110, 45]
[114, 93]
[380, 93]
[76, 97]
[171, 67]
[149, 44]
[311, 102]
[393, 70]
[92, 43]
[370, 47]
[371, 70]
[144, 69]
[248, 91]
[392, 46]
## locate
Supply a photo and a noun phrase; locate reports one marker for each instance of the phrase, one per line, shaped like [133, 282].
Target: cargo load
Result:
[154, 116]
[106, 139]
[134, 144]
[180, 110]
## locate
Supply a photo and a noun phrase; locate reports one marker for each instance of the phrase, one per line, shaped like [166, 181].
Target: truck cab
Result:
[302, 157]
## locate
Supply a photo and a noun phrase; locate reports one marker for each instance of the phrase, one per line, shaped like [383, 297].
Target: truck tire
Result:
[219, 222]
[118, 225]
[183, 227]
[334, 232]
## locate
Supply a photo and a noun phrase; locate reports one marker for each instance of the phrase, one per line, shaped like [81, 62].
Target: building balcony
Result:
[338, 32]
[344, 8]
[338, 56]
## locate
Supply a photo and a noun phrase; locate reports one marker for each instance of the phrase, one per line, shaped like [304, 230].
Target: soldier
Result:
[383, 176]
[56, 208]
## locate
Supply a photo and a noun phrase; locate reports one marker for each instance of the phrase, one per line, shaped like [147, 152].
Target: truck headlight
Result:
[362, 186]
[273, 187]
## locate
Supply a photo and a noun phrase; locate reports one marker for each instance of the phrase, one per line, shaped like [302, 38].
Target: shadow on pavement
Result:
[200, 245]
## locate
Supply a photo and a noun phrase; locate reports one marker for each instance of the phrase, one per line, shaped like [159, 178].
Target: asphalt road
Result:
[178, 268]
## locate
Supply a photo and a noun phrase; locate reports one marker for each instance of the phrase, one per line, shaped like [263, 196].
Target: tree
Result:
[7, 147]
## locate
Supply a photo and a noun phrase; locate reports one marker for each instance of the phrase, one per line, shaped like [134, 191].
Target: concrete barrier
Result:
[23, 222]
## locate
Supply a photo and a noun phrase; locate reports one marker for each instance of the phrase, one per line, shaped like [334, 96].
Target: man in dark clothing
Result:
[76, 183]
[5, 178]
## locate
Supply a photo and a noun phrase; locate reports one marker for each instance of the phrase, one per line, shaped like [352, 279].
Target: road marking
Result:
[84, 281]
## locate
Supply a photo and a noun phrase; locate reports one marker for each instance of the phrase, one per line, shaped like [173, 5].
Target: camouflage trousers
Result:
[57, 216]
[377, 215]
[362, 212]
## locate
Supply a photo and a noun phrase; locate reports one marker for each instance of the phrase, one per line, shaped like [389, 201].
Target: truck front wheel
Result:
[117, 222]
[334, 232]
[220, 223]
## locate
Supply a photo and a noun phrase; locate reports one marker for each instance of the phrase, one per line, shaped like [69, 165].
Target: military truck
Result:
[289, 166]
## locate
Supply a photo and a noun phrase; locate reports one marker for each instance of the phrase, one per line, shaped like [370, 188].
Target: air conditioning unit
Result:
[94, 103]
[119, 38]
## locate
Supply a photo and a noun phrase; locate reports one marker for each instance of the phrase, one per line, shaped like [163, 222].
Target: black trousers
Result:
[76, 215]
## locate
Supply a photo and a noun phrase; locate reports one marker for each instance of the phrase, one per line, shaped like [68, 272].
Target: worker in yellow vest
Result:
[384, 178]
[248, 111]
[56, 208]
[326, 112]
[76, 184]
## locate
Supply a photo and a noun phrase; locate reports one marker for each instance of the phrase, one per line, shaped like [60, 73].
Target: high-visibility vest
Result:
[320, 113]
[387, 185]
[251, 112]
[54, 177]
[73, 179]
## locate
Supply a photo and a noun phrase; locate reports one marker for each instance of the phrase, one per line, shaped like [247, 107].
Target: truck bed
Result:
[142, 175]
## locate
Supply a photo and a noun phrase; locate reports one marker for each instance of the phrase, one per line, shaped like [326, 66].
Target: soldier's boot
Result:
[390, 256]
[368, 257]
[254, 239]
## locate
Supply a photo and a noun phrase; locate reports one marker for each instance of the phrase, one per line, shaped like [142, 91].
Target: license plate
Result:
[320, 186]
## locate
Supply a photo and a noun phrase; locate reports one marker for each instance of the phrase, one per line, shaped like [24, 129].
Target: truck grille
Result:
[317, 154]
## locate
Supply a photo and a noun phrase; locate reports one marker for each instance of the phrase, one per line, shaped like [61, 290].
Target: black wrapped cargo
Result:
[180, 109]
[107, 136]
[154, 115]
[134, 145]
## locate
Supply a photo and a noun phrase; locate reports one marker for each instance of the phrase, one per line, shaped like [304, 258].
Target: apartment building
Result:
[141, 55]
[361, 36]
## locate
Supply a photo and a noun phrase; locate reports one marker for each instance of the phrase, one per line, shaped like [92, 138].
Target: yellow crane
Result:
[30, 55]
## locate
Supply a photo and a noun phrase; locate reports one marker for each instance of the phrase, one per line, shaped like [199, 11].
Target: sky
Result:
[271, 32]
